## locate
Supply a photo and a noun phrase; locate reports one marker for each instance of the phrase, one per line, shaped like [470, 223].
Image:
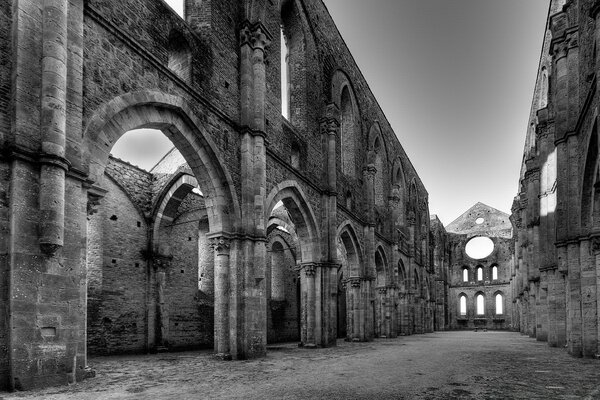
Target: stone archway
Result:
[318, 310]
[171, 115]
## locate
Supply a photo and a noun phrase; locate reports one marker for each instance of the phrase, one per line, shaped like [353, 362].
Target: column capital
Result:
[255, 35]
[329, 125]
[220, 244]
[354, 281]
[369, 171]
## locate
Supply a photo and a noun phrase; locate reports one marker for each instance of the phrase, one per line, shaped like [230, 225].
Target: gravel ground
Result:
[441, 365]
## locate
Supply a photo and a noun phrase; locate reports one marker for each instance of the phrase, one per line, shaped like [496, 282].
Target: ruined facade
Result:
[257, 228]
[555, 214]
[478, 285]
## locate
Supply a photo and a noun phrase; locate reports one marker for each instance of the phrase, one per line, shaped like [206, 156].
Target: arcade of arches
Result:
[256, 227]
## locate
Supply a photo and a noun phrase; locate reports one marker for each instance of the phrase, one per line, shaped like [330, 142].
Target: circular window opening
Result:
[479, 247]
[479, 221]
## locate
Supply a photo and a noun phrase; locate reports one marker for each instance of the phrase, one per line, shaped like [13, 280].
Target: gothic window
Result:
[295, 156]
[277, 271]
[180, 56]
[494, 273]
[480, 300]
[465, 274]
[379, 165]
[499, 304]
[293, 66]
[479, 273]
[348, 133]
[285, 71]
[463, 304]
[544, 88]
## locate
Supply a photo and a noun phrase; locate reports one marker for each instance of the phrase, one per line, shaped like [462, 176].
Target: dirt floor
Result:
[442, 365]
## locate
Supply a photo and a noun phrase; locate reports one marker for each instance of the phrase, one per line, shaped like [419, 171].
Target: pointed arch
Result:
[301, 215]
[172, 115]
[346, 235]
[380, 267]
[462, 304]
[590, 188]
[344, 98]
[378, 148]
[171, 199]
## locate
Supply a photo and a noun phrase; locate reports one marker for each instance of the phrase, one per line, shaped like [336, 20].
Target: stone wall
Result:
[5, 69]
[117, 288]
[4, 275]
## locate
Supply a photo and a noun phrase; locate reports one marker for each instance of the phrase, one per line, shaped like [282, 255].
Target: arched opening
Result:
[479, 273]
[462, 300]
[180, 56]
[544, 88]
[465, 274]
[285, 73]
[349, 254]
[380, 167]
[293, 66]
[379, 311]
[348, 133]
[292, 236]
[499, 304]
[147, 230]
[295, 156]
[283, 318]
[495, 273]
[480, 304]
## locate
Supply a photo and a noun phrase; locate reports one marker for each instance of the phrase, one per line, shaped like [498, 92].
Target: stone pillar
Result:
[53, 125]
[247, 293]
[589, 313]
[221, 247]
[574, 301]
[308, 300]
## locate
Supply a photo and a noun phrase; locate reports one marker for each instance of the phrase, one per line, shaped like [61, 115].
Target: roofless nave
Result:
[259, 228]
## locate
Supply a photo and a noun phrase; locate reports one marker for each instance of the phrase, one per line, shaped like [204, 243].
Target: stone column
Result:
[54, 165]
[574, 300]
[309, 276]
[221, 247]
[354, 285]
[589, 313]
[161, 265]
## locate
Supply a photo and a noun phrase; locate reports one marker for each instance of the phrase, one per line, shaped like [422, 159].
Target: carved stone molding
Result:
[220, 245]
[309, 269]
[354, 281]
[329, 126]
[255, 35]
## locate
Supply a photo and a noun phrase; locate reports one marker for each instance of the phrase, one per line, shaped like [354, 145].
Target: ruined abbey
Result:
[267, 222]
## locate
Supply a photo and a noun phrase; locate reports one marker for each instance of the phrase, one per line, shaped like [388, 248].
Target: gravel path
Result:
[441, 365]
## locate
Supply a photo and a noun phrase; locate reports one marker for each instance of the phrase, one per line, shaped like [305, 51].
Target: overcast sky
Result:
[455, 79]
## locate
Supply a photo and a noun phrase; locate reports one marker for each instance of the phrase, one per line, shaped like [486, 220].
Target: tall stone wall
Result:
[212, 87]
[117, 288]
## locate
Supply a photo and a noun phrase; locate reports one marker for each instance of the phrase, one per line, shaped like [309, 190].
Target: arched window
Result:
[295, 156]
[180, 56]
[544, 88]
[465, 273]
[499, 304]
[494, 273]
[285, 73]
[347, 133]
[479, 273]
[480, 304]
[277, 272]
[293, 73]
[379, 166]
[463, 304]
